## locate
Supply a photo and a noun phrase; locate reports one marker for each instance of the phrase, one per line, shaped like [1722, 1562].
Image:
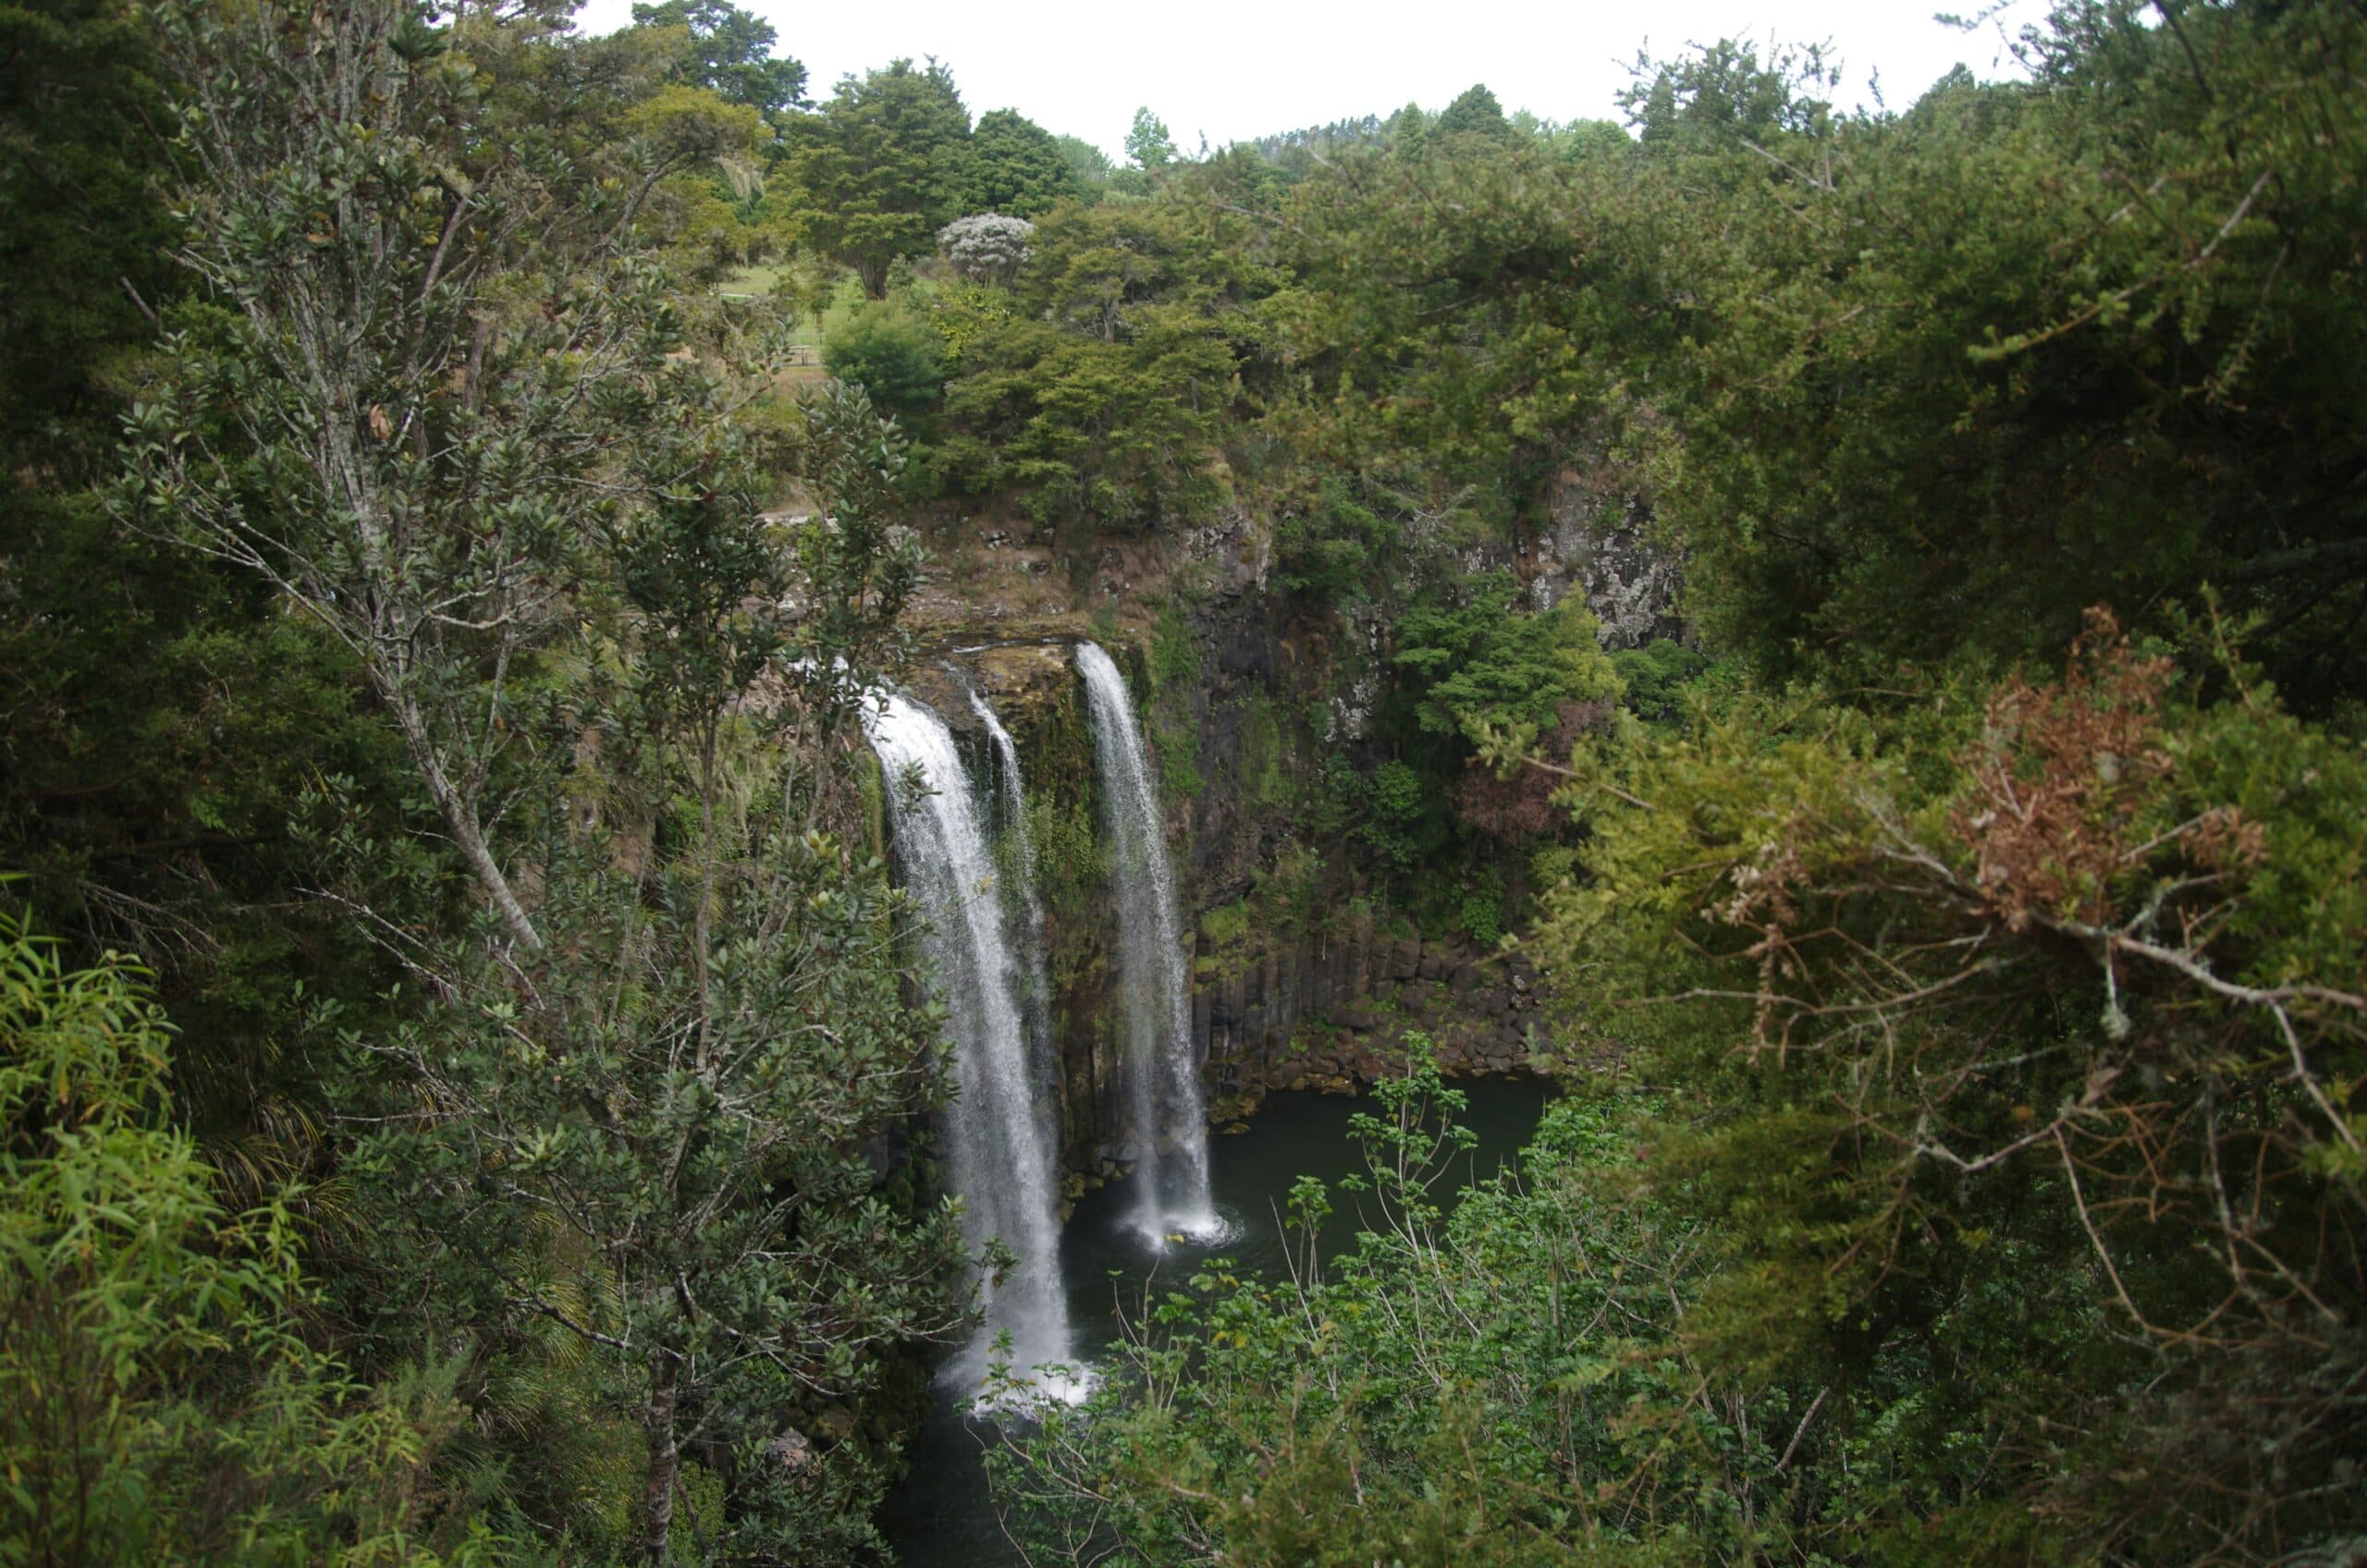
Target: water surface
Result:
[940, 1515]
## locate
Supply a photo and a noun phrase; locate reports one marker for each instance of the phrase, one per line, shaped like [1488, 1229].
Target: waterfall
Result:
[1036, 994]
[1158, 1063]
[1000, 1133]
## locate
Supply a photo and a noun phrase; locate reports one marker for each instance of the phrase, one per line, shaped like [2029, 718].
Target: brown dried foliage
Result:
[1520, 806]
[1938, 986]
[2061, 772]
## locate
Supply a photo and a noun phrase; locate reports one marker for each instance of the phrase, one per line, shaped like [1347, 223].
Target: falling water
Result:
[1036, 998]
[1162, 1076]
[999, 1132]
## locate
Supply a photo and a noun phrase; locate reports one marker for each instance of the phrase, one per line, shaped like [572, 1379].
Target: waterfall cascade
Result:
[1161, 1074]
[1000, 1131]
[1035, 997]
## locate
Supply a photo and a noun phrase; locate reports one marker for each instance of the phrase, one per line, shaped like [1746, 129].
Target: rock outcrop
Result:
[1301, 978]
[1331, 1011]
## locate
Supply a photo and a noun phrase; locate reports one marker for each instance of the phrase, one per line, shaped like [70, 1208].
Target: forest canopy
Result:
[465, 1093]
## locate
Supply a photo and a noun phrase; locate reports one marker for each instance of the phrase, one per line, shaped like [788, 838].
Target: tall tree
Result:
[427, 441]
[728, 51]
[449, 411]
[1017, 167]
[1986, 363]
[84, 247]
[717, 1024]
[1475, 112]
[880, 170]
[1089, 167]
[1149, 145]
[1106, 395]
[159, 717]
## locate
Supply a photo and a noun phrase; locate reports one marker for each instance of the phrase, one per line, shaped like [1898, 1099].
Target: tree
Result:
[1487, 670]
[2055, 384]
[1978, 1085]
[1104, 397]
[1148, 146]
[451, 412]
[1330, 550]
[2009, 1059]
[1725, 92]
[1089, 167]
[402, 457]
[83, 254]
[1466, 360]
[1436, 1394]
[677, 1114]
[1593, 139]
[986, 248]
[892, 354]
[880, 168]
[1018, 168]
[1474, 112]
[728, 51]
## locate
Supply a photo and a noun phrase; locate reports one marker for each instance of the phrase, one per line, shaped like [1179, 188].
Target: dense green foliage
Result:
[1017, 167]
[1329, 548]
[1656, 675]
[539, 1013]
[1481, 1386]
[891, 354]
[159, 1398]
[1104, 391]
[883, 165]
[2070, 1169]
[1481, 669]
[1996, 1173]
[728, 51]
[1956, 901]
[1995, 1195]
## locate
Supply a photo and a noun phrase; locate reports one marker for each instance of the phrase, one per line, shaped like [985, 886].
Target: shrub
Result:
[891, 354]
[1656, 675]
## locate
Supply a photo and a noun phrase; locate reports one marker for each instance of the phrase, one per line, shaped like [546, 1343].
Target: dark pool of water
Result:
[940, 1515]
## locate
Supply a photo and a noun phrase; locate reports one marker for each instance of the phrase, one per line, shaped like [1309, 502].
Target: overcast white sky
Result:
[1235, 69]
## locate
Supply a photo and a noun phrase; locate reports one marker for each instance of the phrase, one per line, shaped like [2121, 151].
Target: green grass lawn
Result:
[759, 281]
[753, 280]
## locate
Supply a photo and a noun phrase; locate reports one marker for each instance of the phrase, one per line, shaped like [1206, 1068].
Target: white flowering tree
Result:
[985, 247]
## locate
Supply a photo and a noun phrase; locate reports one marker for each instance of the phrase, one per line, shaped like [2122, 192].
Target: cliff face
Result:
[1596, 545]
[1302, 978]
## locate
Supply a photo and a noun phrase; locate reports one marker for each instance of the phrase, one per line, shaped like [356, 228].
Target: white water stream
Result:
[1000, 1131]
[1159, 1065]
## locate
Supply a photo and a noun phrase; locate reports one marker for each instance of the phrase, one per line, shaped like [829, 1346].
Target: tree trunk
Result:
[460, 816]
[665, 1464]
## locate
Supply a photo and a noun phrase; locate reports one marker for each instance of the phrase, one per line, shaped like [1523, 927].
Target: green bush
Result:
[1481, 666]
[1444, 1393]
[1656, 675]
[1397, 804]
[1328, 552]
[1479, 912]
[893, 355]
[157, 1401]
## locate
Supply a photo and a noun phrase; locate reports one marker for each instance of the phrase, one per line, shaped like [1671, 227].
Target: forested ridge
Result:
[467, 1095]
